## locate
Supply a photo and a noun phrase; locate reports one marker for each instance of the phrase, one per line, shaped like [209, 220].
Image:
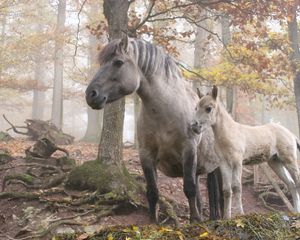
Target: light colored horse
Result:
[238, 144]
[166, 140]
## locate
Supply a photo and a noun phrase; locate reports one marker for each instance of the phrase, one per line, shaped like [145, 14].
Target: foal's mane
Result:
[150, 58]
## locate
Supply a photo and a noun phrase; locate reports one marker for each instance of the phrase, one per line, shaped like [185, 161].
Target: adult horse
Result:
[239, 144]
[166, 140]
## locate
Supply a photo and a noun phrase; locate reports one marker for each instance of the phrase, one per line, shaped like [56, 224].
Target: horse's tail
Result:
[215, 194]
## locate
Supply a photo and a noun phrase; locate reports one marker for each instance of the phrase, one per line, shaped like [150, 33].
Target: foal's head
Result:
[117, 76]
[205, 111]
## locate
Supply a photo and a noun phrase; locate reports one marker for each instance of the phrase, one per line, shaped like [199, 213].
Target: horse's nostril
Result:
[93, 94]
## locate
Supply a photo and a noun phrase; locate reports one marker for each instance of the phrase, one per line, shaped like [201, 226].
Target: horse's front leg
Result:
[147, 159]
[226, 171]
[198, 196]
[237, 186]
[189, 181]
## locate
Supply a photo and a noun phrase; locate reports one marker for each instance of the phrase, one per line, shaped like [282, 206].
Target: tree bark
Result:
[110, 150]
[57, 105]
[295, 59]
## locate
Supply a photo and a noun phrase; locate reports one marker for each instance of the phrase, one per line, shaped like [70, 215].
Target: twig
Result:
[14, 127]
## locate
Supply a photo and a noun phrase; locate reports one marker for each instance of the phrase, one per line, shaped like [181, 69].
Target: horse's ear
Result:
[214, 92]
[123, 45]
[200, 95]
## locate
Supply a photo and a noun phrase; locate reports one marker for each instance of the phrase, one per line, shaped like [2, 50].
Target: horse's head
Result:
[117, 76]
[205, 111]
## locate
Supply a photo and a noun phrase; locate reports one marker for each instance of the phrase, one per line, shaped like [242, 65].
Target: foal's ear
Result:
[123, 45]
[200, 95]
[214, 92]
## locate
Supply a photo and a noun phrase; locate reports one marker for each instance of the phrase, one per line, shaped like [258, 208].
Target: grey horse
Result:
[166, 140]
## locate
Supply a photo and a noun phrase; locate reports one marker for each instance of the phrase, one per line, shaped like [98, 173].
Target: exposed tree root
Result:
[17, 195]
[262, 198]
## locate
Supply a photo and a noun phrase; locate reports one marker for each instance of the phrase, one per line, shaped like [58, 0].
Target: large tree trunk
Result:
[111, 144]
[295, 59]
[57, 105]
[108, 174]
[230, 90]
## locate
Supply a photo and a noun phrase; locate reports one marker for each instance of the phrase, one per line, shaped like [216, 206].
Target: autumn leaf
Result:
[239, 223]
[203, 235]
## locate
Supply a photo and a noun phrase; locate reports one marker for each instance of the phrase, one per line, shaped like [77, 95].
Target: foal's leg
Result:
[189, 181]
[226, 171]
[237, 187]
[149, 169]
[286, 177]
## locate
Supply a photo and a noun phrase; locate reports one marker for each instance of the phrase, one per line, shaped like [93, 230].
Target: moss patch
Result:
[93, 175]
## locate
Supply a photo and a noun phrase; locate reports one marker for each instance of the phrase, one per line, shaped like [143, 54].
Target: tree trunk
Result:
[2, 39]
[57, 105]
[38, 92]
[230, 90]
[295, 59]
[200, 45]
[111, 145]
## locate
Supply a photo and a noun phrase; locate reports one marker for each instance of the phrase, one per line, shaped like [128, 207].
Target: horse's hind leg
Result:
[215, 194]
[237, 187]
[149, 169]
[227, 191]
[286, 177]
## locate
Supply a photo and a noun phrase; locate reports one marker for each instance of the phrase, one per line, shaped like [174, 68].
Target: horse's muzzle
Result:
[94, 99]
[196, 127]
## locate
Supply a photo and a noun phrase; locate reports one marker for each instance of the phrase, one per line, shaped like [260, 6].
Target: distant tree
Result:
[57, 104]
[295, 55]
[38, 103]
[95, 118]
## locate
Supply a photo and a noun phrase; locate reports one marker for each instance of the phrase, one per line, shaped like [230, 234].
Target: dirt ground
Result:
[18, 218]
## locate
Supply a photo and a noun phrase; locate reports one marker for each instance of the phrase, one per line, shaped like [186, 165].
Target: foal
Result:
[238, 144]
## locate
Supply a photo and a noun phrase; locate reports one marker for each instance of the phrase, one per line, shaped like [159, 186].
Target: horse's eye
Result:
[118, 63]
[208, 109]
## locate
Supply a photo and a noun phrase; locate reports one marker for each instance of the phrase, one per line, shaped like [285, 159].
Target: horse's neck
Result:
[224, 124]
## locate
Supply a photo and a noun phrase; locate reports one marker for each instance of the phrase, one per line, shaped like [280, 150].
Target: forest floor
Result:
[20, 218]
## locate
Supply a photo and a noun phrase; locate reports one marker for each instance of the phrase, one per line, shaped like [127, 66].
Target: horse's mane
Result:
[149, 57]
